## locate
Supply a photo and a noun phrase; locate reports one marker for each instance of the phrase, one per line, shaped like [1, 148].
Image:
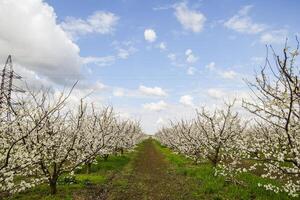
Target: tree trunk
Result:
[105, 157]
[214, 163]
[196, 161]
[88, 168]
[215, 160]
[122, 151]
[53, 184]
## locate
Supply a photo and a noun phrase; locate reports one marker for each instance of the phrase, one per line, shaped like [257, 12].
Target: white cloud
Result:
[152, 91]
[190, 19]
[100, 61]
[274, 37]
[241, 22]
[217, 97]
[99, 86]
[215, 93]
[141, 92]
[188, 52]
[99, 22]
[124, 115]
[155, 106]
[150, 35]
[230, 74]
[190, 57]
[30, 33]
[226, 74]
[175, 60]
[119, 92]
[191, 71]
[172, 56]
[186, 100]
[32, 79]
[123, 51]
[211, 66]
[149, 118]
[88, 90]
[160, 121]
[162, 46]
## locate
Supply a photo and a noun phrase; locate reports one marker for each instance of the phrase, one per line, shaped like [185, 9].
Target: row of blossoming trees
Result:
[43, 139]
[268, 144]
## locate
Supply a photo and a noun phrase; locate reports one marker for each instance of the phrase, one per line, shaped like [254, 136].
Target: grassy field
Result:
[81, 183]
[212, 187]
[152, 171]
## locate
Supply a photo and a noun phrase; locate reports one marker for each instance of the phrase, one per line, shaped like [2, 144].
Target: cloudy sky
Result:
[152, 60]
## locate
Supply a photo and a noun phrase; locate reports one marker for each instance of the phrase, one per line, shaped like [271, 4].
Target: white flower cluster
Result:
[43, 138]
[209, 137]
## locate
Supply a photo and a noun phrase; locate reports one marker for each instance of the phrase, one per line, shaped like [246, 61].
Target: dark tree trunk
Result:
[196, 161]
[214, 163]
[105, 157]
[215, 159]
[53, 185]
[88, 168]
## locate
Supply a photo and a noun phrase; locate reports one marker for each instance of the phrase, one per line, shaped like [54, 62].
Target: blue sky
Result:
[152, 60]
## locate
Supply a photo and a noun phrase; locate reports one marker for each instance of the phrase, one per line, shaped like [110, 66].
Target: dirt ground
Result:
[151, 178]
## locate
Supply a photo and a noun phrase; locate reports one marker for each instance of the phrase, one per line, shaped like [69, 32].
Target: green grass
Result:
[42, 193]
[216, 187]
[114, 163]
[65, 189]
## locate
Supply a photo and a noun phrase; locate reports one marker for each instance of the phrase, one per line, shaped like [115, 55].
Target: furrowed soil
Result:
[150, 177]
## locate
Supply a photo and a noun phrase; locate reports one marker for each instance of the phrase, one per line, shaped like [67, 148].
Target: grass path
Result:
[150, 178]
